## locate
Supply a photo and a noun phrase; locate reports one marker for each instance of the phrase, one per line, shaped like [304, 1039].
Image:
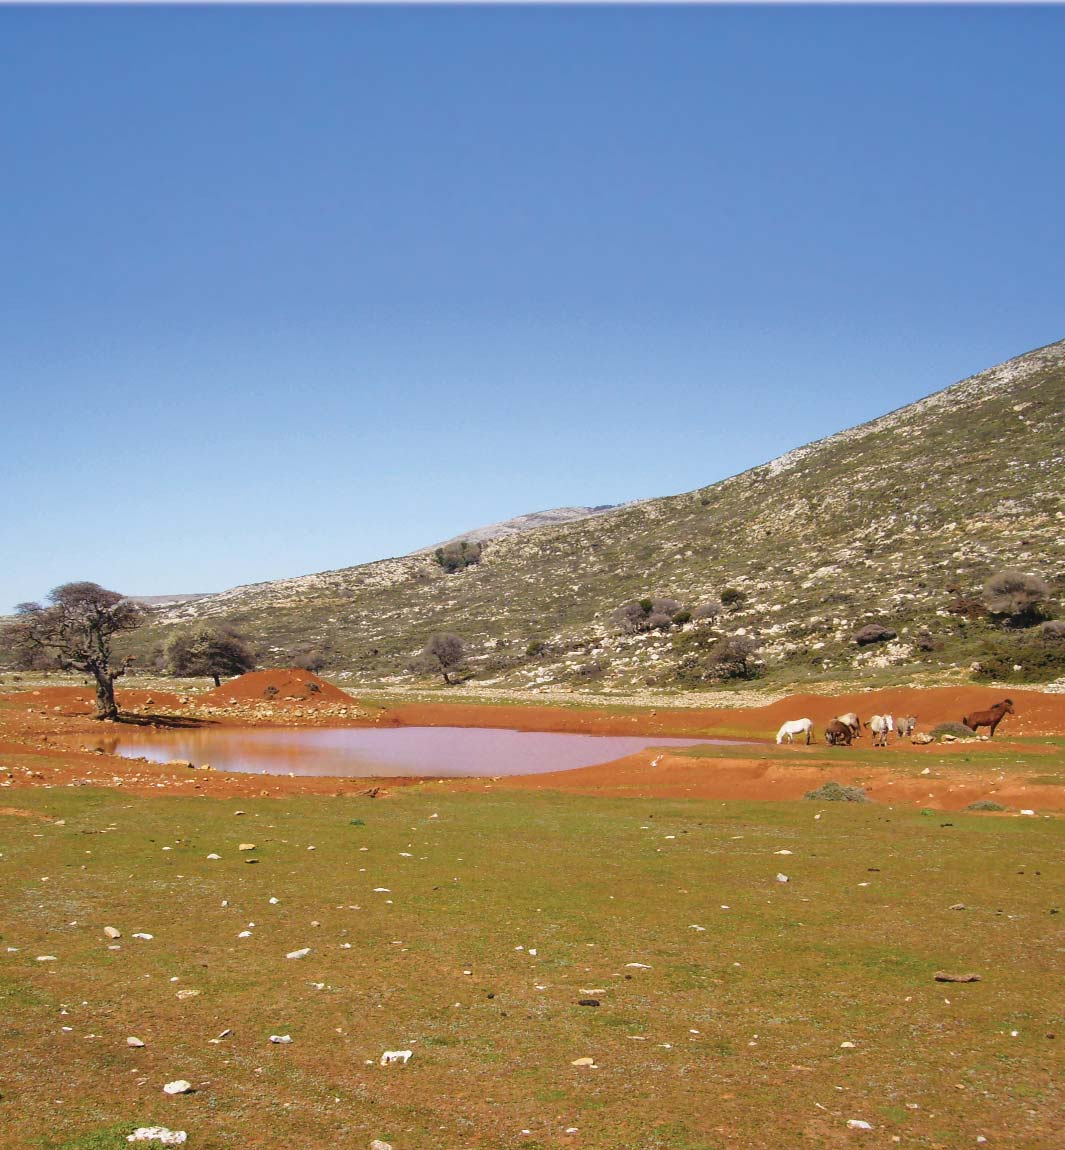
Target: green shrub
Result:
[1040, 655]
[985, 805]
[733, 597]
[833, 792]
[454, 557]
[959, 730]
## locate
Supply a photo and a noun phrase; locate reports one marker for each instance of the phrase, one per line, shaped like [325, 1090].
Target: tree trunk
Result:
[217, 680]
[106, 707]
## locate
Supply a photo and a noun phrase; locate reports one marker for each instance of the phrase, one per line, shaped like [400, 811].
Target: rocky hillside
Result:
[896, 521]
[522, 523]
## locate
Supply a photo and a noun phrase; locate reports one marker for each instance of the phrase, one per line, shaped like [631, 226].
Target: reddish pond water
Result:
[351, 751]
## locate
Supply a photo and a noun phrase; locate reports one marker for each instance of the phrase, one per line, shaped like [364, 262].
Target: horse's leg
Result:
[991, 732]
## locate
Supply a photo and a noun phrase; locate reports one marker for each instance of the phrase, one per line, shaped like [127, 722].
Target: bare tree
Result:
[209, 649]
[76, 624]
[446, 653]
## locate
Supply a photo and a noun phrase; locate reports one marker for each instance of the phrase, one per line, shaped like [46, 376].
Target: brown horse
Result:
[837, 733]
[989, 718]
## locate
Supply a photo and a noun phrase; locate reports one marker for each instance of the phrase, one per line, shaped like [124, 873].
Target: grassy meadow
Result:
[499, 913]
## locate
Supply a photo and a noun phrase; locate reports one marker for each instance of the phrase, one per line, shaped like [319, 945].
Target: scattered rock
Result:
[958, 906]
[783, 878]
[47, 958]
[299, 953]
[114, 932]
[943, 976]
[377, 1144]
[145, 936]
[583, 1062]
[922, 740]
[246, 847]
[857, 1124]
[131, 1041]
[178, 1086]
[212, 855]
[395, 1057]
[848, 1046]
[588, 1002]
[281, 1039]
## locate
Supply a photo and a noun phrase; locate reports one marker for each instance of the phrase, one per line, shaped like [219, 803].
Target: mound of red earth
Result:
[279, 685]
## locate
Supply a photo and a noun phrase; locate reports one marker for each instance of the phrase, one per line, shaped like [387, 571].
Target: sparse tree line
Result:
[76, 627]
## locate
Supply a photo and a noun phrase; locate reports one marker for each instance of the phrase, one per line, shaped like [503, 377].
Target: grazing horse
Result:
[989, 718]
[838, 734]
[852, 721]
[905, 726]
[881, 726]
[795, 727]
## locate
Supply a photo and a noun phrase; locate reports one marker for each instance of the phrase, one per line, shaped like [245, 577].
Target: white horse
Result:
[795, 727]
[851, 720]
[881, 726]
[905, 727]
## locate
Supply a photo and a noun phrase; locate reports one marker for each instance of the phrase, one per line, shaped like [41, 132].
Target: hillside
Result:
[522, 523]
[891, 521]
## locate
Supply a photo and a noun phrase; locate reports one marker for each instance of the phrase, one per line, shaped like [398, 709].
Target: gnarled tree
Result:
[76, 624]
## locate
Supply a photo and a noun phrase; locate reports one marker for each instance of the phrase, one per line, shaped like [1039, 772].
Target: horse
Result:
[881, 726]
[905, 726]
[852, 721]
[795, 727]
[989, 718]
[837, 734]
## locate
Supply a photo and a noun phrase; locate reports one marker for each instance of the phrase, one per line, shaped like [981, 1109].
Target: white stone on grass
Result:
[158, 1134]
[299, 953]
[178, 1086]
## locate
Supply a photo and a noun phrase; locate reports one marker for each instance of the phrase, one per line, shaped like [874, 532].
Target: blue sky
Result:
[290, 289]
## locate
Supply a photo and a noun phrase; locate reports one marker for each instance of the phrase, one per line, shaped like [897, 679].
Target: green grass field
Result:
[728, 1036]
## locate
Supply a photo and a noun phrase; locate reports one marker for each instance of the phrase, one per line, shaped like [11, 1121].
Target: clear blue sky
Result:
[284, 290]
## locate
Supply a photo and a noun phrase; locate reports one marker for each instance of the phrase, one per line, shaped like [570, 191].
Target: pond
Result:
[432, 752]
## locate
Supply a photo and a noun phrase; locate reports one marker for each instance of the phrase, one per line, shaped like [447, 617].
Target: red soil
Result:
[51, 724]
[281, 685]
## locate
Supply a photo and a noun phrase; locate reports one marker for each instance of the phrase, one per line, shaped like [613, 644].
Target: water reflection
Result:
[350, 751]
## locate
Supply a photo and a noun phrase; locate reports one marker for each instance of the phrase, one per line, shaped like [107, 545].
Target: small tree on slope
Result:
[213, 649]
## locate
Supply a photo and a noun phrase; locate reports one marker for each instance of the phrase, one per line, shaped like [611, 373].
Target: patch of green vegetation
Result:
[833, 792]
[593, 886]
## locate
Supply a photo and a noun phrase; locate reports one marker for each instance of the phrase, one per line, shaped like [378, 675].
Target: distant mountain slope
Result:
[879, 522]
[522, 523]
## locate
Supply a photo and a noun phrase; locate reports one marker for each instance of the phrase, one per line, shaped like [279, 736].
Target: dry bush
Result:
[1015, 596]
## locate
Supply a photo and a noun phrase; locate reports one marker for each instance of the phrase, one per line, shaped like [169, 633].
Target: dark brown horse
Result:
[989, 718]
[837, 733]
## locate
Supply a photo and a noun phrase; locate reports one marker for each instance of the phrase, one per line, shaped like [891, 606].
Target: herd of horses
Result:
[843, 729]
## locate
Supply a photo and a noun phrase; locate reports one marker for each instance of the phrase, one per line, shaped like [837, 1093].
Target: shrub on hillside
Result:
[733, 598]
[311, 657]
[985, 805]
[832, 792]
[1015, 597]
[707, 611]
[873, 633]
[1053, 631]
[707, 658]
[453, 557]
[1031, 658]
[658, 614]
